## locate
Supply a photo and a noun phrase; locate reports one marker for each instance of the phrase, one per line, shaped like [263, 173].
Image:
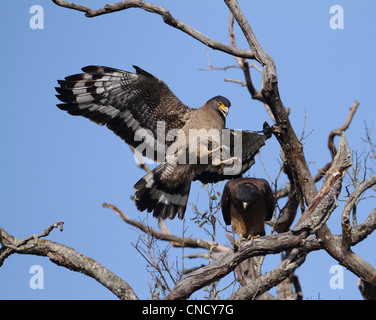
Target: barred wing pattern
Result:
[136, 106]
[125, 102]
[165, 190]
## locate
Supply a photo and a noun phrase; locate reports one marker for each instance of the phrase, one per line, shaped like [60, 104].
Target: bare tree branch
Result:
[332, 185]
[141, 162]
[338, 132]
[316, 206]
[272, 278]
[244, 65]
[186, 242]
[66, 257]
[229, 261]
[212, 67]
[345, 220]
[167, 18]
[285, 191]
[314, 217]
[292, 148]
[368, 291]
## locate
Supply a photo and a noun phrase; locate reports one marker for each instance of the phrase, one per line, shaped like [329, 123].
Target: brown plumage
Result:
[139, 107]
[246, 203]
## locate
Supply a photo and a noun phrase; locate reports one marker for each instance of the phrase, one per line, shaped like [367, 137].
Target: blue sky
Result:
[58, 167]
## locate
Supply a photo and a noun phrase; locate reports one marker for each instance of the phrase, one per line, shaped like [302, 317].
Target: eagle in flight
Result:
[145, 113]
[246, 203]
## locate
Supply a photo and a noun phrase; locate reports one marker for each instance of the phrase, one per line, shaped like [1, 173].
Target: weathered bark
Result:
[66, 257]
[316, 206]
[312, 220]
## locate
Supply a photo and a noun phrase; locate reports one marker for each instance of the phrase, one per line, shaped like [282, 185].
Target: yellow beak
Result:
[224, 109]
[245, 205]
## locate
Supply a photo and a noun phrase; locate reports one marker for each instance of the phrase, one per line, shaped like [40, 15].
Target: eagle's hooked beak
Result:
[224, 109]
[245, 205]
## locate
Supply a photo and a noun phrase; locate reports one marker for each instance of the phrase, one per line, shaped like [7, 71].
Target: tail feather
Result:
[152, 194]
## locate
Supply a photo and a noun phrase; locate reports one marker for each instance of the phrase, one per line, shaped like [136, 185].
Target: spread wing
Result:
[125, 102]
[243, 144]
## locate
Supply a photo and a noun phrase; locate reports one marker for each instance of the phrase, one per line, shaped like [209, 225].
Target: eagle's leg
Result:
[241, 239]
[218, 156]
[228, 161]
[220, 148]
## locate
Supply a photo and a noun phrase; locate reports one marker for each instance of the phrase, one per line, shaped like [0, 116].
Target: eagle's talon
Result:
[129, 103]
[246, 203]
[252, 237]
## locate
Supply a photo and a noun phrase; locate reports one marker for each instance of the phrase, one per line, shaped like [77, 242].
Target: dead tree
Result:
[309, 234]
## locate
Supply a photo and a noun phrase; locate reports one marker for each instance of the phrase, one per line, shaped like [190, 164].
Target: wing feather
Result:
[250, 142]
[123, 101]
[226, 204]
[269, 200]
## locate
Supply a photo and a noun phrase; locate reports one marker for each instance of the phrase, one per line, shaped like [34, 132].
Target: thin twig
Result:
[337, 132]
[351, 202]
[187, 242]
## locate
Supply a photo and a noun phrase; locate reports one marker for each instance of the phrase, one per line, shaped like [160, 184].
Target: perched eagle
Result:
[246, 203]
[144, 112]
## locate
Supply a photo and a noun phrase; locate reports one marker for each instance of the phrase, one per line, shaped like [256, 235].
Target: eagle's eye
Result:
[223, 108]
